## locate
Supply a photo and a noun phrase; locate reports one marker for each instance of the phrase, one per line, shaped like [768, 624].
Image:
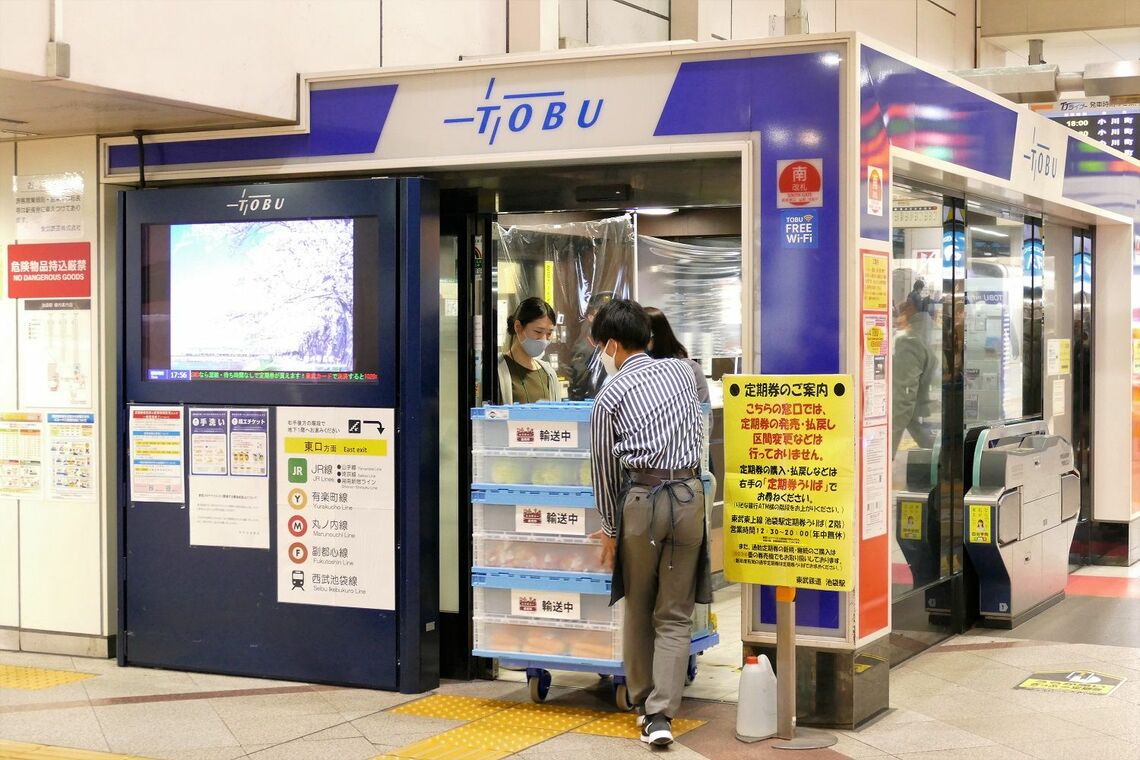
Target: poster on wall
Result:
[229, 478]
[789, 497]
[336, 500]
[157, 454]
[875, 486]
[49, 270]
[49, 206]
[71, 456]
[21, 454]
[54, 345]
[875, 342]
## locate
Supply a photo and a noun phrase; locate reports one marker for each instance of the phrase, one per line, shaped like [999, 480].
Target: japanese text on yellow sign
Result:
[875, 293]
[790, 480]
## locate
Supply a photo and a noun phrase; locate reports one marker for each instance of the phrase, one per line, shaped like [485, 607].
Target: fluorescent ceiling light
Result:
[655, 211]
[989, 233]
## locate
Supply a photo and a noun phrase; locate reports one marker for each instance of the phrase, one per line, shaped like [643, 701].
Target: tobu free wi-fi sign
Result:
[799, 183]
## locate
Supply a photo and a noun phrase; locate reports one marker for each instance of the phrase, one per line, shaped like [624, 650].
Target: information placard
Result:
[229, 480]
[790, 482]
[71, 451]
[158, 465]
[336, 506]
[21, 454]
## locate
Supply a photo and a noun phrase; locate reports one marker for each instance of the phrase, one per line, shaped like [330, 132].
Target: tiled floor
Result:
[957, 701]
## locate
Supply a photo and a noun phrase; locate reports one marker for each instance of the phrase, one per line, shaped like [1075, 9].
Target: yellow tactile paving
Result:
[452, 707]
[20, 751]
[16, 677]
[509, 727]
[624, 726]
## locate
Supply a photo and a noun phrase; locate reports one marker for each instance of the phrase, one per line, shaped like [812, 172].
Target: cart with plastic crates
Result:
[541, 592]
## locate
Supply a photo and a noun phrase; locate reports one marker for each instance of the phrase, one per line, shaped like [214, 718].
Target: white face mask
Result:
[608, 361]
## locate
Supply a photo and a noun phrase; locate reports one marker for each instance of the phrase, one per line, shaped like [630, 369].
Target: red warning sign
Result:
[799, 183]
[49, 270]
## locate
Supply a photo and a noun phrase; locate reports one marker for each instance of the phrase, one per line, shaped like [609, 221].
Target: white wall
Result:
[9, 508]
[941, 33]
[437, 31]
[240, 55]
[55, 566]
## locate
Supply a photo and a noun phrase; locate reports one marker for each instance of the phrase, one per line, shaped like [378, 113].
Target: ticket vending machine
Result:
[1020, 515]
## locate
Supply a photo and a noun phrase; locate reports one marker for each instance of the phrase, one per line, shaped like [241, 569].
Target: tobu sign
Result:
[799, 183]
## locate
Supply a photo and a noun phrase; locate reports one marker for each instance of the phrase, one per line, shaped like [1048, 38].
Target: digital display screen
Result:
[265, 301]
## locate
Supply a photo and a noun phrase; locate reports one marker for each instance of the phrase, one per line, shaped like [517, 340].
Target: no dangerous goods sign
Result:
[1073, 682]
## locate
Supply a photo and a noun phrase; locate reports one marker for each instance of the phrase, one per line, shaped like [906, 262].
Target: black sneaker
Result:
[657, 730]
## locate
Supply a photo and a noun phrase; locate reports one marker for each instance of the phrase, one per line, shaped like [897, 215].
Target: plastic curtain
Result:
[589, 263]
[698, 289]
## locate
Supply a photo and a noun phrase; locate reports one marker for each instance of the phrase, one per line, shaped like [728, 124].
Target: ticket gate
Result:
[917, 525]
[1020, 515]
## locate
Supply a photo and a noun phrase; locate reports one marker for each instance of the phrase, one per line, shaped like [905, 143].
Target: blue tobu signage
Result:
[800, 228]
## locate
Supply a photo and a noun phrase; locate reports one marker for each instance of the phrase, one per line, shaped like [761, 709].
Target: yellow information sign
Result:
[1073, 682]
[875, 293]
[910, 520]
[980, 521]
[790, 480]
[548, 282]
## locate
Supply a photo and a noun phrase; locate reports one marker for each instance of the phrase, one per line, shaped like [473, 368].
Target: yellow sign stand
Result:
[790, 505]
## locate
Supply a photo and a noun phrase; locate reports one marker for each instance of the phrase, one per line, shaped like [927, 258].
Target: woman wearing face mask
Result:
[664, 345]
[523, 377]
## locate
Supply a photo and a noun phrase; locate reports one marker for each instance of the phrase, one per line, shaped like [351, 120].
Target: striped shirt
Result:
[646, 417]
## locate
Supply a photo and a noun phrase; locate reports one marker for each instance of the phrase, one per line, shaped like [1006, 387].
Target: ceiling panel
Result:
[59, 108]
[1072, 51]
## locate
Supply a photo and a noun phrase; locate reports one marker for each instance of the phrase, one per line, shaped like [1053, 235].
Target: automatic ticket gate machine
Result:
[1020, 515]
[917, 525]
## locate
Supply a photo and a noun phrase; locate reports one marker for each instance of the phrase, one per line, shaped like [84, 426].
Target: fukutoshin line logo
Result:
[504, 113]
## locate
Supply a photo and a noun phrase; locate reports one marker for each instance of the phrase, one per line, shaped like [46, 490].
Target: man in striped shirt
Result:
[646, 432]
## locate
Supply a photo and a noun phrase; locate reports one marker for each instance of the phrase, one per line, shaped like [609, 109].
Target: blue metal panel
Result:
[417, 521]
[215, 609]
[360, 199]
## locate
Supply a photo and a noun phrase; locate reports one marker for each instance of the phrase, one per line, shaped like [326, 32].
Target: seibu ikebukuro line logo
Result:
[546, 110]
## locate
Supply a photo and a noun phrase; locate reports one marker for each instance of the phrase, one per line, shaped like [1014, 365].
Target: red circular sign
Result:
[298, 552]
[800, 184]
[298, 525]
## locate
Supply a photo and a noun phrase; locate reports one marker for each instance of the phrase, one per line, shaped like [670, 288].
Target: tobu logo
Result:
[262, 202]
[1042, 162]
[543, 111]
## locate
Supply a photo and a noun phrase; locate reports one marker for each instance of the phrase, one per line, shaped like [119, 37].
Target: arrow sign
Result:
[342, 122]
[379, 425]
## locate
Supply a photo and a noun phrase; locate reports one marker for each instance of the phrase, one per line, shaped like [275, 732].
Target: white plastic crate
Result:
[542, 426]
[507, 637]
[538, 605]
[525, 518]
[541, 553]
[518, 467]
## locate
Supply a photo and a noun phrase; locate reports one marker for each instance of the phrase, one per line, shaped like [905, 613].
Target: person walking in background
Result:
[646, 444]
[914, 369]
[522, 376]
[663, 344]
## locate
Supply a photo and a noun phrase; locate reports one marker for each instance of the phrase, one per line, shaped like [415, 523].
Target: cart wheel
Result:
[621, 698]
[539, 686]
[691, 673]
